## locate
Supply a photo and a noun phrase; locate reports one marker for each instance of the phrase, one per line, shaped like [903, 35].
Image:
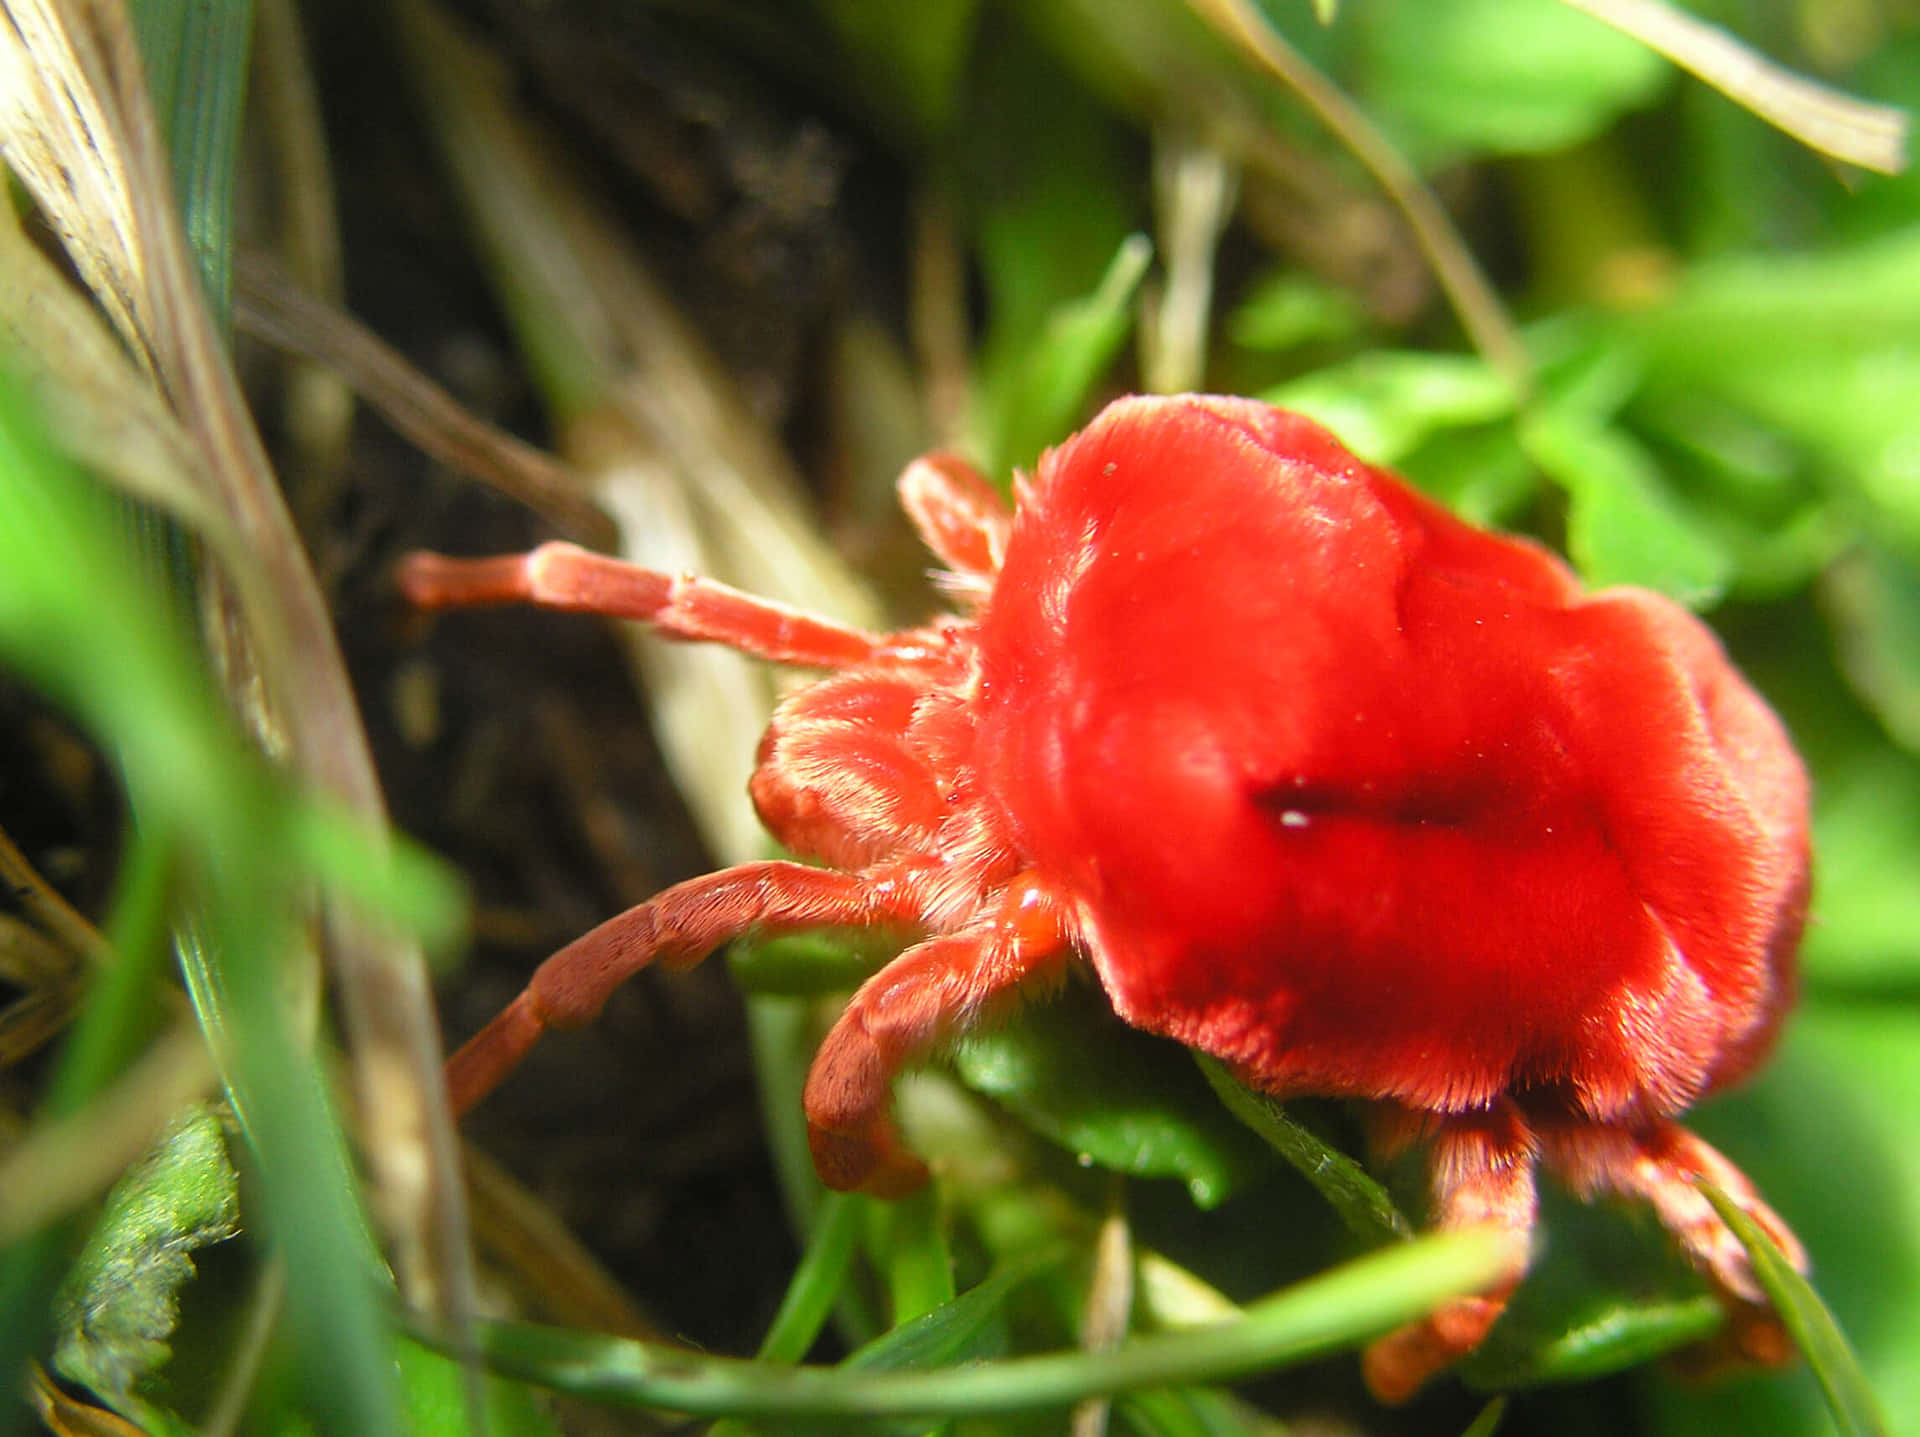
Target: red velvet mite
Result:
[1319, 779]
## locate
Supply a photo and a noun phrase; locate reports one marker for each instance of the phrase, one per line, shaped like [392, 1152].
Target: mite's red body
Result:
[1319, 779]
[1370, 802]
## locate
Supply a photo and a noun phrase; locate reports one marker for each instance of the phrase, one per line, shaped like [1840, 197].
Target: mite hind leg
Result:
[1480, 1170]
[1662, 1165]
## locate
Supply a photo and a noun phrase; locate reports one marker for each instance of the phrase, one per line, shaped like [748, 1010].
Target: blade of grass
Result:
[1335, 1310]
[271, 306]
[1481, 312]
[693, 478]
[1849, 1397]
[1361, 1202]
[1823, 119]
[75, 618]
[1487, 1421]
[196, 63]
[817, 1281]
[101, 175]
[911, 1252]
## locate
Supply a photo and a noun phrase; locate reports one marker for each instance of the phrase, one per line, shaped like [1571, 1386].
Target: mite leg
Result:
[680, 606]
[958, 514]
[927, 995]
[678, 927]
[1480, 1170]
[1659, 1165]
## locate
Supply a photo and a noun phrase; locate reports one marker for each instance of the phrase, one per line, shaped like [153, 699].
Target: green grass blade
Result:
[1335, 1310]
[76, 619]
[817, 1281]
[910, 1249]
[196, 61]
[1856, 1413]
[1487, 1421]
[964, 1329]
[1362, 1203]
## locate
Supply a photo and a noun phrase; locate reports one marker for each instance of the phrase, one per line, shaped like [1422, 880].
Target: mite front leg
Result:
[1660, 1165]
[680, 606]
[1480, 1170]
[678, 927]
[957, 513]
[927, 995]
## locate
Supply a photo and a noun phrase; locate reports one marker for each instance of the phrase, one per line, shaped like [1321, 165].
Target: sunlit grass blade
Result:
[1856, 1412]
[1836, 124]
[1337, 1309]
[106, 187]
[969, 1329]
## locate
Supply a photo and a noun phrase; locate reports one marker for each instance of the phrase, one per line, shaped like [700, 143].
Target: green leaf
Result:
[1385, 404]
[1287, 309]
[909, 59]
[1811, 1325]
[1112, 1095]
[121, 1299]
[1623, 524]
[1362, 1203]
[1045, 392]
[1042, 181]
[1865, 932]
[1498, 76]
[1873, 597]
[1818, 347]
[435, 1391]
